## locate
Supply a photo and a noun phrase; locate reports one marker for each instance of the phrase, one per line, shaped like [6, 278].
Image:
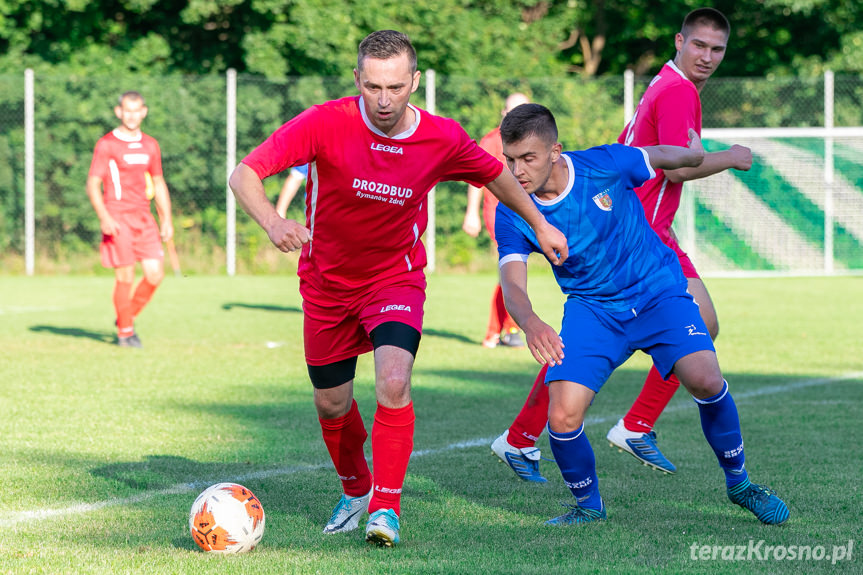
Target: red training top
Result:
[366, 201]
[669, 108]
[122, 164]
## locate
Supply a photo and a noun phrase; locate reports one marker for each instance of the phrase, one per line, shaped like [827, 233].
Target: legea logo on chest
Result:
[387, 148]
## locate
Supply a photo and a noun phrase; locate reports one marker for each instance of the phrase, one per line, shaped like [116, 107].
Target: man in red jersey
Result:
[501, 327]
[373, 159]
[671, 105]
[127, 164]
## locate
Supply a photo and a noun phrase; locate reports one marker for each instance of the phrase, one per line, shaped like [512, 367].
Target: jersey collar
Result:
[406, 134]
[124, 138]
[674, 67]
[569, 183]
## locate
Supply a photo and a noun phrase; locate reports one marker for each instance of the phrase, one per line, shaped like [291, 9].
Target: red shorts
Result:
[336, 329]
[138, 240]
[670, 240]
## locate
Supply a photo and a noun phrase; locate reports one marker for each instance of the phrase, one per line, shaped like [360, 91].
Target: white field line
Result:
[40, 514]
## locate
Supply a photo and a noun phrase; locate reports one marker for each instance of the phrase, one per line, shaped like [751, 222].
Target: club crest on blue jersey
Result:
[603, 201]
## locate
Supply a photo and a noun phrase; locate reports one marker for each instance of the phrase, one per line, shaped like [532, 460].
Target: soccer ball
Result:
[227, 518]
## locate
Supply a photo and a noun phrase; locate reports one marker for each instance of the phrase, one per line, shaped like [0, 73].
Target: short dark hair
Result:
[528, 120]
[705, 17]
[386, 44]
[131, 95]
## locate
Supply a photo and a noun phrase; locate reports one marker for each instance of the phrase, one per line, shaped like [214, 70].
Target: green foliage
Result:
[292, 55]
[458, 37]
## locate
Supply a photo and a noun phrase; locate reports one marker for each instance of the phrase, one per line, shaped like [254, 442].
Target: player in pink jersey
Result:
[373, 159]
[125, 173]
[669, 108]
[502, 329]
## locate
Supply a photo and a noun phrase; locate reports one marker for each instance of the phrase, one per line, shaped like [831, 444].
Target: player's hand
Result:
[543, 342]
[288, 235]
[109, 226]
[741, 157]
[697, 148]
[166, 231]
[553, 244]
[471, 224]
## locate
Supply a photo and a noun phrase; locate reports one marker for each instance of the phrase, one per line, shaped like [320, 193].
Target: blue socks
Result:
[721, 427]
[574, 457]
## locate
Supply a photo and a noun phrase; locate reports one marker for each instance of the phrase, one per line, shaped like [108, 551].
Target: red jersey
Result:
[669, 108]
[366, 200]
[492, 144]
[122, 163]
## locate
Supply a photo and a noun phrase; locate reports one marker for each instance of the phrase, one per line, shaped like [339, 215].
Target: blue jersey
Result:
[303, 170]
[616, 261]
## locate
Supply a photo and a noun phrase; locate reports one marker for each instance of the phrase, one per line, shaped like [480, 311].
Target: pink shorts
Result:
[670, 239]
[336, 329]
[138, 240]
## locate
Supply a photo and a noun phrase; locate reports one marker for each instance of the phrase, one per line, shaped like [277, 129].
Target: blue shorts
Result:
[597, 342]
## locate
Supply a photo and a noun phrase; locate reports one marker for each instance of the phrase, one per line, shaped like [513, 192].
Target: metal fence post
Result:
[828, 172]
[230, 162]
[431, 246]
[29, 174]
[628, 96]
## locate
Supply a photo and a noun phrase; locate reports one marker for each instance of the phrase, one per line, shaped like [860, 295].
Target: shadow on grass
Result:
[448, 335]
[261, 306]
[100, 336]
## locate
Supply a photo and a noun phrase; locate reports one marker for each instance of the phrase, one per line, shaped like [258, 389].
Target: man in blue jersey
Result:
[625, 292]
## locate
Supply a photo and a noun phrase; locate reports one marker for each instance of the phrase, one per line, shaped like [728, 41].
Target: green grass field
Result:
[103, 450]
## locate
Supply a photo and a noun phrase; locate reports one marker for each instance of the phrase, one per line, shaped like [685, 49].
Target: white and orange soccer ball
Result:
[227, 518]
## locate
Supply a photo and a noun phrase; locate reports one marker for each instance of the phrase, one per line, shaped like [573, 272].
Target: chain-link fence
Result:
[189, 117]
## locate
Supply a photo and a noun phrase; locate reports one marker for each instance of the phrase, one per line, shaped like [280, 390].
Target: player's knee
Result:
[331, 407]
[563, 421]
[704, 385]
[393, 390]
[154, 278]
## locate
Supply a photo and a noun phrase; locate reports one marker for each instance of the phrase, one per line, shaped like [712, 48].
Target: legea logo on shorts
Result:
[395, 307]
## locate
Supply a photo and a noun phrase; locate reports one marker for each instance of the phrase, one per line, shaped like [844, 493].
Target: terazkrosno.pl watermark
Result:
[761, 551]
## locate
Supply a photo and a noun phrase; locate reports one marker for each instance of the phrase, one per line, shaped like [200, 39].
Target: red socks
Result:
[344, 437]
[123, 308]
[531, 420]
[392, 444]
[128, 306]
[641, 417]
[649, 404]
[143, 293]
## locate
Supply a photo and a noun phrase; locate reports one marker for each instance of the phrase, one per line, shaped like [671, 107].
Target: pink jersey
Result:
[122, 164]
[366, 203]
[492, 144]
[669, 108]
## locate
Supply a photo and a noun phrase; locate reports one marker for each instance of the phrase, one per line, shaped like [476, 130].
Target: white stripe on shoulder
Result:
[647, 162]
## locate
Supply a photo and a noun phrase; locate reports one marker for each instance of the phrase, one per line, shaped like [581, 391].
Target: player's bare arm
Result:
[736, 157]
[287, 235]
[673, 157]
[94, 190]
[472, 224]
[512, 195]
[542, 339]
[163, 208]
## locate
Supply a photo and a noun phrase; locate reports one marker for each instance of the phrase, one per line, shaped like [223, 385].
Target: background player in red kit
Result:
[373, 159]
[671, 105]
[502, 329]
[127, 163]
